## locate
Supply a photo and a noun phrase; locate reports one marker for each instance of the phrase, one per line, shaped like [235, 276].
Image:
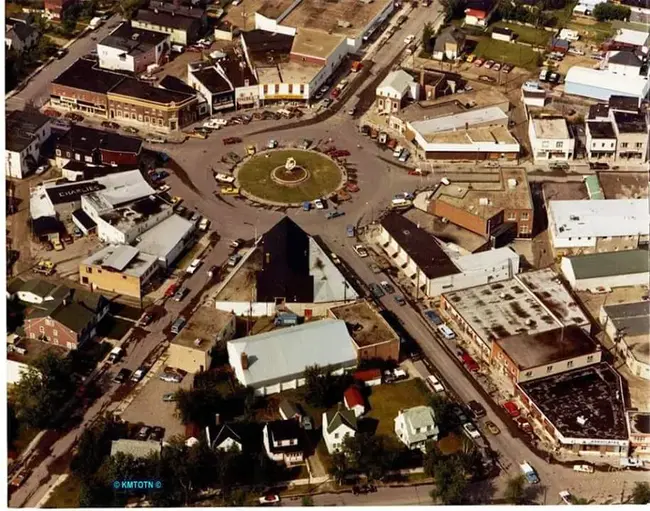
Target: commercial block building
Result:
[601, 140]
[607, 269]
[632, 135]
[132, 50]
[26, 133]
[182, 24]
[550, 139]
[168, 239]
[91, 146]
[638, 423]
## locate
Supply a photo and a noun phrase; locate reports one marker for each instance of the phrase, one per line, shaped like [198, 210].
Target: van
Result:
[350, 231]
[398, 202]
[398, 151]
[447, 332]
[115, 355]
[178, 325]
[404, 156]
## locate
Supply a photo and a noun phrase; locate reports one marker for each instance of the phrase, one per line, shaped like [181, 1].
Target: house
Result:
[632, 136]
[394, 90]
[135, 448]
[182, 24]
[191, 350]
[449, 44]
[20, 37]
[601, 140]
[274, 361]
[283, 442]
[532, 94]
[92, 146]
[119, 269]
[289, 410]
[38, 291]
[550, 139]
[559, 45]
[213, 85]
[367, 377]
[502, 34]
[132, 50]
[479, 12]
[588, 227]
[416, 426]
[338, 424]
[56, 9]
[239, 436]
[625, 63]
[607, 269]
[26, 132]
[354, 401]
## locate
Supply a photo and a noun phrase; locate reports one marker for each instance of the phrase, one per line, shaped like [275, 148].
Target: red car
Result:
[51, 113]
[352, 187]
[469, 362]
[524, 425]
[511, 408]
[171, 290]
[335, 93]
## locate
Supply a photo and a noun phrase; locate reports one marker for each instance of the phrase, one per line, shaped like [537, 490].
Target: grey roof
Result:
[480, 116]
[398, 80]
[131, 40]
[633, 318]
[161, 239]
[39, 287]
[15, 285]
[288, 409]
[607, 264]
[338, 416]
[122, 258]
[135, 448]
[283, 354]
[419, 417]
[448, 35]
[625, 58]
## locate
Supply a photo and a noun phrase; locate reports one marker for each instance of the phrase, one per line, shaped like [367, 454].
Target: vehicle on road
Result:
[213, 271]
[523, 424]
[350, 231]
[435, 384]
[56, 243]
[122, 376]
[492, 427]
[496, 67]
[351, 187]
[250, 150]
[529, 473]
[361, 251]
[146, 319]
[479, 62]
[61, 53]
[376, 290]
[477, 409]
[171, 377]
[194, 265]
[269, 499]
[115, 355]
[169, 397]
[327, 102]
[180, 294]
[399, 299]
[446, 332]
[231, 140]
[20, 478]
[488, 79]
[488, 64]
[229, 190]
[512, 409]
[432, 316]
[387, 286]
[224, 178]
[204, 224]
[467, 360]
[409, 39]
[471, 431]
[234, 259]
[131, 129]
[406, 154]
[171, 290]
[363, 489]
[507, 68]
[334, 214]
[318, 204]
[138, 374]
[587, 469]
[272, 144]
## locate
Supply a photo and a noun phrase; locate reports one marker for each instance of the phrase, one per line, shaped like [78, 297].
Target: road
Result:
[397, 496]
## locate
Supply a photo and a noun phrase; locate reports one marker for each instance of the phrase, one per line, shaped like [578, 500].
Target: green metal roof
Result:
[608, 264]
[593, 187]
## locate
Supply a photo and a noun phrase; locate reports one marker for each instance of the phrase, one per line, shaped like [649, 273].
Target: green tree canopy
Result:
[515, 492]
[198, 405]
[641, 493]
[606, 11]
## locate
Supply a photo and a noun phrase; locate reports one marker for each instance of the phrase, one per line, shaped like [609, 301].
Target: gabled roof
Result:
[38, 287]
[420, 422]
[353, 397]
[448, 35]
[15, 285]
[288, 409]
[624, 58]
[399, 81]
[340, 416]
[365, 375]
[247, 434]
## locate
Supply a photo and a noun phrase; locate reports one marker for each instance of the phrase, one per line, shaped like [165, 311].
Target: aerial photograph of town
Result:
[327, 253]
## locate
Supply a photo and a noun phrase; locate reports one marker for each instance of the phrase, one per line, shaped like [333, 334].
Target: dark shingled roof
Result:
[212, 80]
[598, 110]
[625, 58]
[132, 40]
[83, 218]
[136, 89]
[338, 416]
[421, 246]
[164, 19]
[177, 85]
[21, 128]
[84, 75]
[630, 123]
[248, 434]
[601, 129]
[285, 430]
[607, 264]
[88, 140]
[72, 192]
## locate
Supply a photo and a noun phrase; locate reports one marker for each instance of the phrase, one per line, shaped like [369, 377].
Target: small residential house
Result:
[502, 34]
[550, 139]
[479, 12]
[239, 436]
[353, 400]
[26, 132]
[338, 424]
[20, 36]
[416, 426]
[394, 90]
[283, 443]
[368, 377]
[449, 44]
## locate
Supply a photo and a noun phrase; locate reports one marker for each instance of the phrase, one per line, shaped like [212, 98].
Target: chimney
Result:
[244, 361]
[421, 77]
[217, 418]
[466, 126]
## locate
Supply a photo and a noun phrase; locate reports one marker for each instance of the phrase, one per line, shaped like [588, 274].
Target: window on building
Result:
[524, 215]
[124, 277]
[291, 88]
[512, 215]
[569, 363]
[41, 329]
[529, 373]
[146, 119]
[590, 358]
[549, 369]
[140, 118]
[639, 145]
[265, 88]
[55, 333]
[624, 145]
[558, 145]
[58, 152]
[336, 435]
[302, 88]
[277, 88]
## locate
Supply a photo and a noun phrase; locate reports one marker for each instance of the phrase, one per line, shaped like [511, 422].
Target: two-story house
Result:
[601, 140]
[632, 136]
[234, 436]
[416, 426]
[394, 90]
[338, 424]
[550, 139]
[449, 44]
[26, 133]
[283, 442]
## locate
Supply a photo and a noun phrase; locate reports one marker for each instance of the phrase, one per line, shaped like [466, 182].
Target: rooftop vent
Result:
[512, 183]
[483, 201]
[135, 36]
[574, 217]
[581, 420]
[197, 341]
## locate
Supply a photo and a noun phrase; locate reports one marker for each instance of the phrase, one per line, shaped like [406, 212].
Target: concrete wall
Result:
[271, 25]
[188, 359]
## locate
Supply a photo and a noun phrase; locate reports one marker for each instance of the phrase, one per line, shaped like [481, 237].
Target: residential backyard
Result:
[387, 400]
[510, 53]
[530, 35]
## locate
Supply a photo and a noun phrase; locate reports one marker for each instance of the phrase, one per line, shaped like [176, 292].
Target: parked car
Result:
[387, 286]
[432, 316]
[468, 361]
[523, 424]
[171, 377]
[157, 433]
[479, 62]
[143, 433]
[400, 300]
[477, 409]
[496, 67]
[471, 430]
[361, 251]
[61, 53]
[131, 129]
[486, 78]
[269, 499]
[171, 290]
[488, 64]
[138, 375]
[435, 383]
[350, 231]
[169, 397]
[234, 259]
[351, 187]
[229, 190]
[231, 140]
[492, 427]
[376, 290]
[318, 204]
[327, 102]
[180, 294]
[507, 68]
[122, 376]
[115, 355]
[512, 409]
[146, 319]
[334, 214]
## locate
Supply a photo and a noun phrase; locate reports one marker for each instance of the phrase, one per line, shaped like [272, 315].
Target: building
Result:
[550, 139]
[432, 270]
[479, 12]
[135, 448]
[624, 63]
[371, 334]
[587, 227]
[627, 325]
[354, 401]
[525, 357]
[38, 291]
[368, 377]
[502, 34]
[529, 303]
[290, 270]
[168, 239]
[449, 44]
[26, 133]
[213, 85]
[601, 140]
[632, 39]
[582, 410]
[477, 134]
[20, 36]
[289, 410]
[275, 361]
[638, 424]
[559, 45]
[607, 269]
[56, 9]
[624, 104]
[118, 269]
[416, 426]
[532, 94]
[191, 349]
[239, 436]
[132, 50]
[183, 26]
[283, 442]
[394, 90]
[69, 320]
[484, 205]
[632, 135]
[338, 424]
[91, 146]
[597, 84]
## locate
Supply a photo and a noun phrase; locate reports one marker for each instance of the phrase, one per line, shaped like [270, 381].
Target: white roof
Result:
[329, 282]
[283, 354]
[491, 114]
[633, 37]
[161, 239]
[418, 420]
[399, 81]
[599, 218]
[40, 203]
[488, 259]
[594, 80]
[124, 187]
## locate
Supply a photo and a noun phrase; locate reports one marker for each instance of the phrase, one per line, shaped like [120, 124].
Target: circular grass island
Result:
[264, 176]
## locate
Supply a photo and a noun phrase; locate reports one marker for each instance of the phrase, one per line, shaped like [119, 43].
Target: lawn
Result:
[387, 400]
[25, 437]
[597, 31]
[66, 495]
[530, 35]
[500, 51]
[255, 176]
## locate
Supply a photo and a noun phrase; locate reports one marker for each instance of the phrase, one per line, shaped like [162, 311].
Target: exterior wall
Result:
[501, 37]
[384, 351]
[117, 158]
[636, 366]
[115, 58]
[632, 146]
[271, 25]
[622, 69]
[112, 235]
[259, 309]
[387, 104]
[188, 359]
[589, 245]
[78, 99]
[229, 444]
[168, 259]
[152, 115]
[176, 36]
[284, 92]
[334, 441]
[53, 332]
[550, 149]
[247, 96]
[464, 218]
[97, 278]
[216, 102]
[401, 432]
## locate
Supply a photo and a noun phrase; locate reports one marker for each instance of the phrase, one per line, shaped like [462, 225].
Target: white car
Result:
[409, 39]
[224, 178]
[40, 170]
[194, 266]
[471, 430]
[566, 497]
[318, 204]
[204, 224]
[164, 188]
[435, 383]
[215, 123]
[138, 375]
[361, 251]
[268, 499]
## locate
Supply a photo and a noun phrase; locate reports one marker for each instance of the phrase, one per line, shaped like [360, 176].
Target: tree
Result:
[307, 501]
[323, 389]
[606, 11]
[427, 36]
[451, 482]
[515, 492]
[339, 468]
[366, 453]
[453, 9]
[443, 410]
[198, 405]
[13, 426]
[94, 446]
[128, 8]
[641, 493]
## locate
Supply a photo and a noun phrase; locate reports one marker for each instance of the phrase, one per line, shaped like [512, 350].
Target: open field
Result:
[66, 495]
[530, 35]
[500, 51]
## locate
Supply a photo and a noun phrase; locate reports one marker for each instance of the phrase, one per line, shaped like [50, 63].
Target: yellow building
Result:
[119, 269]
[190, 349]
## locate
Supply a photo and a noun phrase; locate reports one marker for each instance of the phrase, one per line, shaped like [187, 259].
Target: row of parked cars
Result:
[490, 64]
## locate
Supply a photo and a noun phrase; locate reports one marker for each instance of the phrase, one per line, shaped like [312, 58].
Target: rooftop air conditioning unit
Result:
[483, 201]
[512, 183]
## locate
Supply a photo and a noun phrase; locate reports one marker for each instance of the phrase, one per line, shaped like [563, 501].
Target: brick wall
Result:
[51, 331]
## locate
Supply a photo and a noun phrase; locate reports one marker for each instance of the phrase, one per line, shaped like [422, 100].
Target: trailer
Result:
[529, 473]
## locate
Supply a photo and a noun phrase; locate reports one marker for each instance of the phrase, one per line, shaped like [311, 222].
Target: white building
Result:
[592, 226]
[26, 133]
[550, 139]
[275, 361]
[601, 140]
[416, 426]
[130, 49]
[338, 424]
[168, 239]
[282, 442]
[432, 268]
[625, 63]
[637, 38]
[597, 84]
[393, 89]
[532, 94]
[607, 269]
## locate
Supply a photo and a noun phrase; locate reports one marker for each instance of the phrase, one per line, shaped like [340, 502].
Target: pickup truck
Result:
[191, 269]
[529, 473]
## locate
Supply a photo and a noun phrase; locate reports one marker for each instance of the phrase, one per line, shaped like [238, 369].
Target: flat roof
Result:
[489, 193]
[586, 403]
[71, 192]
[459, 121]
[133, 88]
[551, 346]
[633, 321]
[639, 422]
[205, 324]
[315, 43]
[624, 185]
[119, 189]
[422, 247]
[274, 8]
[366, 326]
[633, 37]
[161, 239]
[601, 129]
[165, 19]
[126, 218]
[132, 40]
[630, 122]
[444, 231]
[123, 259]
[298, 72]
[599, 218]
[529, 303]
[329, 16]
[607, 264]
[85, 75]
[565, 191]
[212, 80]
[551, 128]
[264, 46]
[576, 76]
